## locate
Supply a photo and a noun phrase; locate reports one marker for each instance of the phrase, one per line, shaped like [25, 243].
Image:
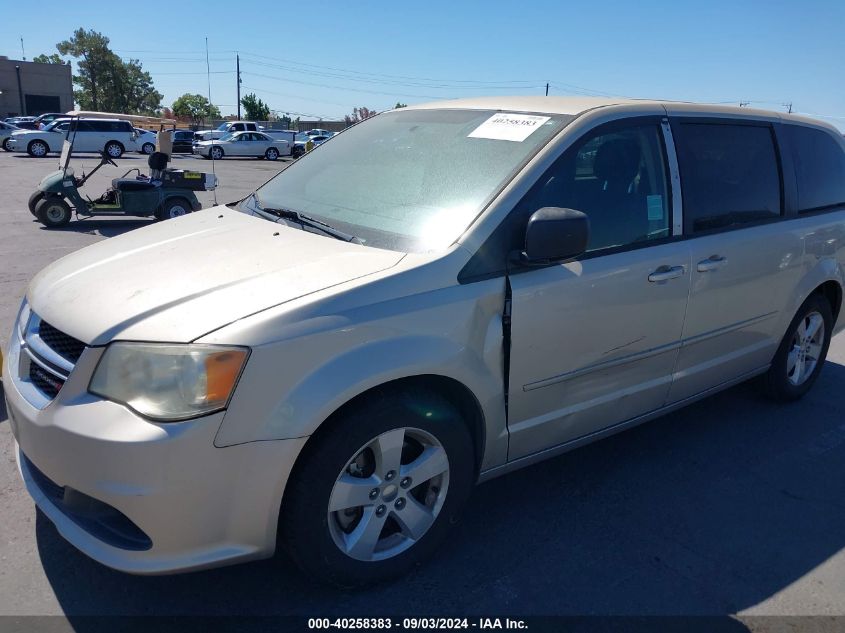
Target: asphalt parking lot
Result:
[733, 505]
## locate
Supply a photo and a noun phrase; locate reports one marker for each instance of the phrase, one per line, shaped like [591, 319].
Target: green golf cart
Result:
[165, 193]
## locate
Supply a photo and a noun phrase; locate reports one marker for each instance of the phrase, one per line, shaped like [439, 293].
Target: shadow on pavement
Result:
[107, 228]
[707, 511]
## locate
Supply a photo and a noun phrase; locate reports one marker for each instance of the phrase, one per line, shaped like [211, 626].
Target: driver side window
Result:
[618, 178]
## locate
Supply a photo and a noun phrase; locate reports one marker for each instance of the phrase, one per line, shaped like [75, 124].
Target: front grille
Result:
[63, 344]
[47, 383]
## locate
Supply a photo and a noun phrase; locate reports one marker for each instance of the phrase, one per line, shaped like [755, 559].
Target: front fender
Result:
[261, 410]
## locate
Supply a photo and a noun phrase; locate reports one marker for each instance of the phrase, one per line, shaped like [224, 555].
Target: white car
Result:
[6, 130]
[255, 144]
[112, 136]
[146, 141]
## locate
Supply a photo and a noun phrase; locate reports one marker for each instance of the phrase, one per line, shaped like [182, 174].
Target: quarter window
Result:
[819, 167]
[729, 174]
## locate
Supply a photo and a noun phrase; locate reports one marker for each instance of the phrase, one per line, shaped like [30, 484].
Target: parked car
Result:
[225, 128]
[302, 140]
[6, 130]
[146, 141]
[45, 119]
[443, 294]
[23, 122]
[112, 136]
[254, 144]
[183, 141]
[318, 132]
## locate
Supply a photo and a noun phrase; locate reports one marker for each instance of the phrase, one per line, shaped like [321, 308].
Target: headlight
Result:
[169, 382]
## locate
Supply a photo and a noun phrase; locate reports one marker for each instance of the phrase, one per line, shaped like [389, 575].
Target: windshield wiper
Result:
[306, 220]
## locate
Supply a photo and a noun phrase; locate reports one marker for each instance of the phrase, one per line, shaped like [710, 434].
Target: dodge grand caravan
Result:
[434, 297]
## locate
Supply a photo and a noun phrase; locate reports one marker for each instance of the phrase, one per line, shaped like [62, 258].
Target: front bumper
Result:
[199, 506]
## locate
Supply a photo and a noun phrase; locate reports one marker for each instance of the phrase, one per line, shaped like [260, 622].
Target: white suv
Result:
[113, 136]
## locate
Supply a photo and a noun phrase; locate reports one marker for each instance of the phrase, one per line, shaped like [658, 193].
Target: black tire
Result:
[217, 152]
[304, 527]
[6, 144]
[777, 380]
[173, 208]
[34, 199]
[53, 212]
[271, 154]
[296, 152]
[148, 148]
[38, 149]
[113, 149]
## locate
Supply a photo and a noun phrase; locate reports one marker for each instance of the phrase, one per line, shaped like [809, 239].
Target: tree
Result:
[196, 108]
[105, 81]
[399, 104]
[49, 59]
[358, 115]
[256, 109]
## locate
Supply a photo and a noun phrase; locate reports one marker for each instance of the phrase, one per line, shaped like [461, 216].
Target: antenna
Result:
[211, 149]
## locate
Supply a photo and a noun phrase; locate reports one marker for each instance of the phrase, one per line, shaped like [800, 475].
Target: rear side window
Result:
[729, 174]
[819, 168]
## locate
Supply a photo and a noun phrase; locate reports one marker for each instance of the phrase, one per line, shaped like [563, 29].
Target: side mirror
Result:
[553, 235]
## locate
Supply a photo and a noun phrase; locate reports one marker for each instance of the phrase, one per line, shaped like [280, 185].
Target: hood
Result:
[177, 280]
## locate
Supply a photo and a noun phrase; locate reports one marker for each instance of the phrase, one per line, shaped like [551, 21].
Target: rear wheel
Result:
[802, 351]
[113, 149]
[53, 212]
[271, 154]
[173, 208]
[37, 149]
[376, 491]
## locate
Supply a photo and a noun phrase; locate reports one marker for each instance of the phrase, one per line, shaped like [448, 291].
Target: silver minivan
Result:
[433, 297]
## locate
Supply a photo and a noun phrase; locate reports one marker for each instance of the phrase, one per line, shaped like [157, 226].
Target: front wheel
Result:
[53, 212]
[37, 149]
[113, 149]
[148, 148]
[216, 153]
[173, 208]
[802, 351]
[6, 144]
[34, 199]
[376, 490]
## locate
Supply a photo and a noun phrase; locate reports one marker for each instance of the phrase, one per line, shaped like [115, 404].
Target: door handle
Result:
[665, 273]
[713, 262]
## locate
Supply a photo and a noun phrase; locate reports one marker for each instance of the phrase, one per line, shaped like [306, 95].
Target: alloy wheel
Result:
[806, 348]
[389, 494]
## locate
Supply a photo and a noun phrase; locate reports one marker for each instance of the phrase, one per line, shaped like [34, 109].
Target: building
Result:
[30, 89]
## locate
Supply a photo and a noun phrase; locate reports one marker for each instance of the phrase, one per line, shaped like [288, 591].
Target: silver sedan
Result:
[243, 144]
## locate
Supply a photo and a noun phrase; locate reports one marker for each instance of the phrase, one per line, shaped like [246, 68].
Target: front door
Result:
[594, 341]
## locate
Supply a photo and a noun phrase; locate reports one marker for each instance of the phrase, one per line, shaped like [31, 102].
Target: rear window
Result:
[819, 168]
[729, 174]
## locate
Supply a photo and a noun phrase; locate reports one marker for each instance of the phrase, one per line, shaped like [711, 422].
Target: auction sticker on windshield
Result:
[503, 126]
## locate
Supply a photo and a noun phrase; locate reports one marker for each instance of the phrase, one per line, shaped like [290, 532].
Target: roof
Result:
[578, 105]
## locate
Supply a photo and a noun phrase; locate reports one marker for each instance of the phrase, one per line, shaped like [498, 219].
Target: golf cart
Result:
[165, 193]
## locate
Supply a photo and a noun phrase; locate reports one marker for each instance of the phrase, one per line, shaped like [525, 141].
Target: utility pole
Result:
[742, 104]
[23, 53]
[788, 107]
[547, 88]
[238, 62]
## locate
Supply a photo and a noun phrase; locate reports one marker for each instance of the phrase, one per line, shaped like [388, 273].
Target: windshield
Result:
[411, 180]
[302, 137]
[227, 137]
[222, 126]
[57, 126]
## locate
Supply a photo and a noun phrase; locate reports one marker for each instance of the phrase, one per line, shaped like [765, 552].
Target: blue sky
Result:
[324, 58]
